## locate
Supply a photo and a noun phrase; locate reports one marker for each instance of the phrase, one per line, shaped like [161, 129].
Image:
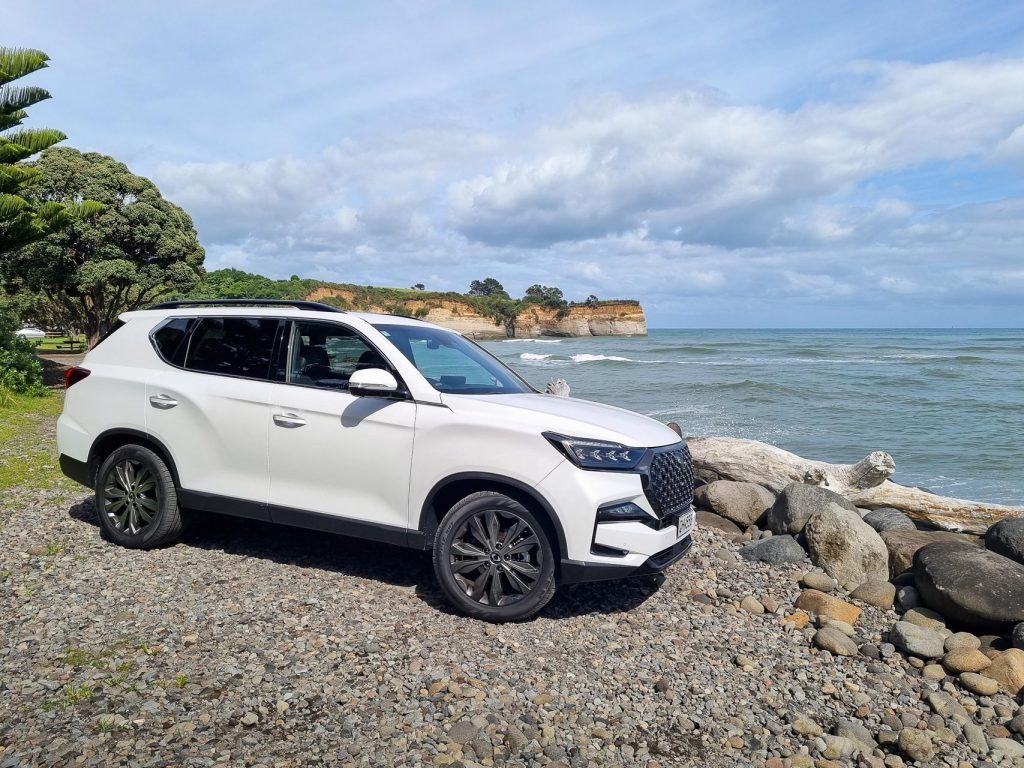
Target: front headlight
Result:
[596, 454]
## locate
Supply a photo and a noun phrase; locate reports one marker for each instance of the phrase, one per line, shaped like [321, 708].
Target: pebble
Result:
[819, 581]
[915, 744]
[834, 641]
[752, 605]
[979, 684]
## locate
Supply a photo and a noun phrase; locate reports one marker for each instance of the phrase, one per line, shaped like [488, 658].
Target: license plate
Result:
[684, 524]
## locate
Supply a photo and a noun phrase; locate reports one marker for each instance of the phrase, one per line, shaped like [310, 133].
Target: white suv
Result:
[375, 426]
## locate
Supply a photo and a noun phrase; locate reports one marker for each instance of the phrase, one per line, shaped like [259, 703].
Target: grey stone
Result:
[976, 740]
[880, 594]
[847, 548]
[777, 550]
[1008, 747]
[1017, 638]
[961, 640]
[834, 641]
[1007, 538]
[907, 598]
[969, 585]
[797, 504]
[915, 640]
[915, 744]
[888, 519]
[719, 523]
[819, 581]
[742, 503]
[855, 730]
[946, 706]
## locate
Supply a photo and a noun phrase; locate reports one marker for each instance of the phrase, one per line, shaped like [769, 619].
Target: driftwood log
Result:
[865, 483]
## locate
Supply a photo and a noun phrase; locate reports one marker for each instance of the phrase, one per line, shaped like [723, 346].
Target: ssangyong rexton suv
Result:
[375, 426]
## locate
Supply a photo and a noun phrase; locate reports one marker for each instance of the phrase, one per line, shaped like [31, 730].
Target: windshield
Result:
[452, 363]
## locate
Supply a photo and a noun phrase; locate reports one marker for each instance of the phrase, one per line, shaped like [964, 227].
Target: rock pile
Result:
[956, 617]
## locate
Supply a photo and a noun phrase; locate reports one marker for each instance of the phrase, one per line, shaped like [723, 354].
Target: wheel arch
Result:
[453, 488]
[112, 439]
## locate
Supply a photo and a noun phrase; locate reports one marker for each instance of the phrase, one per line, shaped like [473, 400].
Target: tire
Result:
[477, 576]
[134, 483]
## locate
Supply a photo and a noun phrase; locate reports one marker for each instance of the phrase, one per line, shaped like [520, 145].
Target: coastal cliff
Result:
[602, 318]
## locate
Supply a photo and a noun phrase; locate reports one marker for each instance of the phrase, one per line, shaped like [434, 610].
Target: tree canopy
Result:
[487, 287]
[140, 247]
[24, 218]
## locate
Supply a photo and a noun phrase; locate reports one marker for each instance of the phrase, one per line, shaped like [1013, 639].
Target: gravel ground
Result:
[248, 644]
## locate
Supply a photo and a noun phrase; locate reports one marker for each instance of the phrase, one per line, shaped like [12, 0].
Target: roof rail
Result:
[312, 306]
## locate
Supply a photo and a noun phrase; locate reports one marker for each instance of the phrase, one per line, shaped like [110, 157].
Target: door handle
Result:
[289, 420]
[163, 402]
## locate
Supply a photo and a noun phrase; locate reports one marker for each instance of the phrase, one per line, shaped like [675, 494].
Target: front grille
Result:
[669, 482]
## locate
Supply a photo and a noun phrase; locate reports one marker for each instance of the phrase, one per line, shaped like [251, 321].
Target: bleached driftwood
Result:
[751, 461]
[865, 483]
[946, 512]
[558, 387]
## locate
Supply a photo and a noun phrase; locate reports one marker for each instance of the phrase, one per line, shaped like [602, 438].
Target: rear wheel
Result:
[136, 500]
[493, 559]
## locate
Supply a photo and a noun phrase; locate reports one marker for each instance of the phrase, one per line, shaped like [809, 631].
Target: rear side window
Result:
[170, 340]
[233, 346]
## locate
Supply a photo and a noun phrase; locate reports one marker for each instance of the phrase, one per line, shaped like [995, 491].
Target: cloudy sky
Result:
[730, 164]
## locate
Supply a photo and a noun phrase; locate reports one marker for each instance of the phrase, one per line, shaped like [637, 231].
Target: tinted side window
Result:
[233, 346]
[169, 340]
[326, 355]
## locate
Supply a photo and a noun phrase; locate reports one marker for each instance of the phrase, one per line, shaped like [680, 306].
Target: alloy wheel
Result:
[496, 557]
[131, 497]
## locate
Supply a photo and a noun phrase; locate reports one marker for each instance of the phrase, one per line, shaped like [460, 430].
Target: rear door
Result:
[211, 407]
[337, 459]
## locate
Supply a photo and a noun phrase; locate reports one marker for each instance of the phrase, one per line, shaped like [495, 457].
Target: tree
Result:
[138, 248]
[591, 300]
[419, 287]
[23, 218]
[543, 294]
[487, 287]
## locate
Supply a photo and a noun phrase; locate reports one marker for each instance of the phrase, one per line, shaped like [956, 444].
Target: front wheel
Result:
[493, 559]
[136, 500]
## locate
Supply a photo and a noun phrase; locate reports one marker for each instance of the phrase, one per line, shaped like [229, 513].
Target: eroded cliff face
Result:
[618, 318]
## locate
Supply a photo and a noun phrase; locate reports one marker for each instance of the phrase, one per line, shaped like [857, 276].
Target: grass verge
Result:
[27, 451]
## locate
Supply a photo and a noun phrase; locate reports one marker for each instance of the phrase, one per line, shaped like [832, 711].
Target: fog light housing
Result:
[623, 512]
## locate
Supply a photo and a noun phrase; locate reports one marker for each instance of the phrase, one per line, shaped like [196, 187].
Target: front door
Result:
[335, 458]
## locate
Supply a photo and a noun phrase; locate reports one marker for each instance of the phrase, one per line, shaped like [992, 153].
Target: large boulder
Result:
[797, 504]
[969, 585]
[743, 503]
[888, 519]
[1007, 538]
[902, 544]
[775, 550]
[847, 548]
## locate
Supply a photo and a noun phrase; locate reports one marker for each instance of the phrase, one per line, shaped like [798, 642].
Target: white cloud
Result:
[683, 199]
[695, 168]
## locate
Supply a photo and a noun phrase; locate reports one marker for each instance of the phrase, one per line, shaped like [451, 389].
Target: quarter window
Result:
[170, 340]
[233, 346]
[326, 355]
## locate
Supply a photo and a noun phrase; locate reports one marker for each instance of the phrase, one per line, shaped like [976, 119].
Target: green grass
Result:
[27, 451]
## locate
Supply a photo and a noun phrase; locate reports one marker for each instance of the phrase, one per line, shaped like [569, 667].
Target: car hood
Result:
[569, 416]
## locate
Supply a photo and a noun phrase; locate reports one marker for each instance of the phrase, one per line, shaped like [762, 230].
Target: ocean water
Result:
[948, 405]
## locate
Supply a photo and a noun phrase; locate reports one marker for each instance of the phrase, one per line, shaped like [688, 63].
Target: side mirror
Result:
[372, 382]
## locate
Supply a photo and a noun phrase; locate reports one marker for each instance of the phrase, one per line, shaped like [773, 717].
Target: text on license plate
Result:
[684, 524]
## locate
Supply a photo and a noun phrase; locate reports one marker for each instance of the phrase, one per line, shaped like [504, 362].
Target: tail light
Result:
[74, 375]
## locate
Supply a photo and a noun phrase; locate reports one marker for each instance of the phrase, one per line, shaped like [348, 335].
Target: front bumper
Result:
[575, 571]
